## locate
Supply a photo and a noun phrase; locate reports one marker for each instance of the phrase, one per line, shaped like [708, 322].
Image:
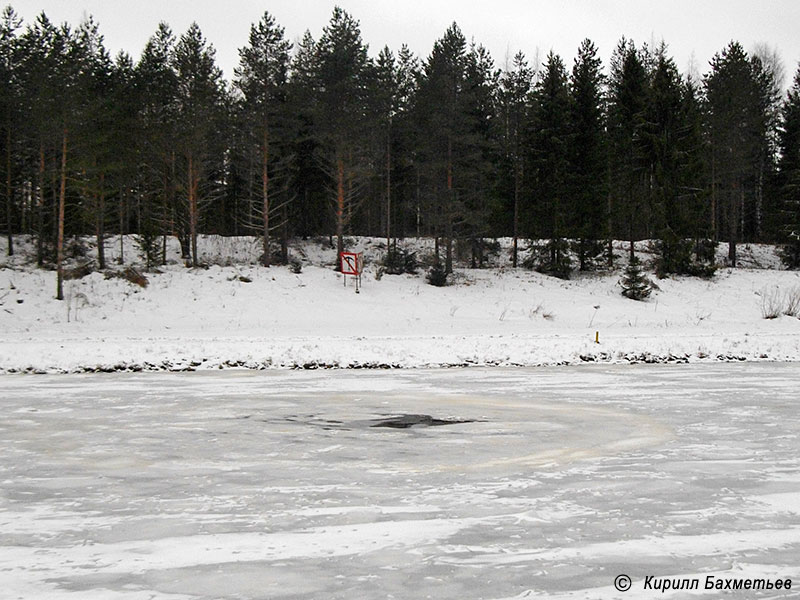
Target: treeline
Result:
[322, 138]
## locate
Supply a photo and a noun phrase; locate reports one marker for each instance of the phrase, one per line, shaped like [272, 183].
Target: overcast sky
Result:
[693, 29]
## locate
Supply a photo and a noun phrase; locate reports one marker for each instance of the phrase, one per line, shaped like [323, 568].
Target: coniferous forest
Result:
[325, 137]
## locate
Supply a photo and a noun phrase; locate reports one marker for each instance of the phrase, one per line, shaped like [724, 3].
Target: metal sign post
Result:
[352, 263]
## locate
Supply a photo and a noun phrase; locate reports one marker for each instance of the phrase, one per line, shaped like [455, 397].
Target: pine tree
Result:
[95, 129]
[9, 109]
[199, 101]
[47, 76]
[440, 119]
[392, 93]
[155, 87]
[262, 79]
[51, 63]
[340, 114]
[123, 157]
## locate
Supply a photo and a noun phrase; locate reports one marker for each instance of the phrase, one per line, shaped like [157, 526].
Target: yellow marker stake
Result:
[596, 337]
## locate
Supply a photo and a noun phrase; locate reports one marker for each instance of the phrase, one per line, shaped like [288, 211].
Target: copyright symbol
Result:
[622, 583]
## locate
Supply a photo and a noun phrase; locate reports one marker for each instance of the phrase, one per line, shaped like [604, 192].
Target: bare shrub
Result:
[791, 303]
[771, 305]
[78, 272]
[129, 274]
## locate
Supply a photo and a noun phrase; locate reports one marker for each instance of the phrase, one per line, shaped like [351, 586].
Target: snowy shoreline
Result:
[236, 314]
[121, 357]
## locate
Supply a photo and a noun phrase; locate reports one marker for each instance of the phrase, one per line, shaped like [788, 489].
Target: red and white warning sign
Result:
[351, 263]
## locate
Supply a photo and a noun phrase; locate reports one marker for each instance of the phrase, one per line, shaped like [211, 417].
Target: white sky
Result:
[694, 29]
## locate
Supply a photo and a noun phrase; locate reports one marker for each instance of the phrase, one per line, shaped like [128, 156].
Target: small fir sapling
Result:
[635, 284]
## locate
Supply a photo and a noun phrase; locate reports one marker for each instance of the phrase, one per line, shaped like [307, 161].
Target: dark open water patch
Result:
[402, 421]
[406, 421]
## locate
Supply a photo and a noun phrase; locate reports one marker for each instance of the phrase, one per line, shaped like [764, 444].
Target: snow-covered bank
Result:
[215, 318]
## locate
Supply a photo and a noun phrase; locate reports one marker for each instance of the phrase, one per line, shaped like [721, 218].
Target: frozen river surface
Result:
[535, 483]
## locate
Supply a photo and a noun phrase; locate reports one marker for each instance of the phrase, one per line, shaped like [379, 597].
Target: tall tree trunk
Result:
[40, 210]
[448, 262]
[733, 224]
[54, 186]
[349, 194]
[177, 222]
[582, 253]
[631, 220]
[100, 224]
[631, 252]
[610, 225]
[285, 232]
[419, 206]
[121, 227]
[714, 234]
[61, 201]
[9, 204]
[515, 226]
[193, 209]
[265, 195]
[339, 209]
[389, 185]
[25, 207]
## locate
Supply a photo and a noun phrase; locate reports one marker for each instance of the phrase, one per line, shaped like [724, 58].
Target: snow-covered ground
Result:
[249, 485]
[210, 318]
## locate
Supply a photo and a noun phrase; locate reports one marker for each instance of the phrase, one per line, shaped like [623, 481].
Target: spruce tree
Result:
[674, 147]
[789, 175]
[515, 87]
[549, 166]
[760, 214]
[739, 123]
[312, 207]
[628, 92]
[661, 134]
[385, 101]
[635, 284]
[481, 152]
[693, 175]
[586, 154]
[405, 190]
